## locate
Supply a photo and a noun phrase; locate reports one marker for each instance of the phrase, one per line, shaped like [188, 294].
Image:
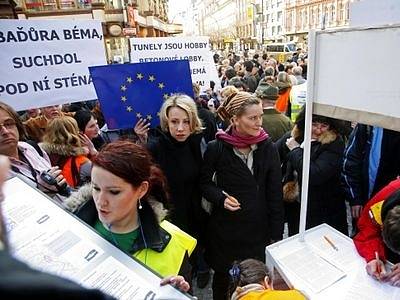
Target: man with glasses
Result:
[24, 158]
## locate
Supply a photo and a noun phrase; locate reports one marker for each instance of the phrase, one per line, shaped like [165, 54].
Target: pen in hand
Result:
[230, 197]
[378, 264]
[230, 203]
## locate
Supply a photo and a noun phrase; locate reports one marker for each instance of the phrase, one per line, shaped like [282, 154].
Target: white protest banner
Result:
[45, 62]
[195, 49]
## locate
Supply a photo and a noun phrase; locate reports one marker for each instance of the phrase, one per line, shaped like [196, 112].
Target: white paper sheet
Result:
[364, 287]
[117, 280]
[316, 272]
[342, 257]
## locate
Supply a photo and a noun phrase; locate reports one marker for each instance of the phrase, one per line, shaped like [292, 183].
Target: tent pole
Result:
[307, 132]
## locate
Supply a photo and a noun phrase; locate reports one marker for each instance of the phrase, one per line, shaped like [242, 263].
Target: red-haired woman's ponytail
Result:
[158, 186]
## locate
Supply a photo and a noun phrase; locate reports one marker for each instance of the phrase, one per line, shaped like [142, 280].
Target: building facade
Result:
[216, 19]
[247, 12]
[304, 15]
[121, 19]
[274, 20]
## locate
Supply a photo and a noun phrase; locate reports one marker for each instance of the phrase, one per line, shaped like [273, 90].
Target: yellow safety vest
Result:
[169, 261]
[298, 95]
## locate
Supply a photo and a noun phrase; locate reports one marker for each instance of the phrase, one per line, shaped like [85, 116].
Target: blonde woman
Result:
[63, 145]
[176, 148]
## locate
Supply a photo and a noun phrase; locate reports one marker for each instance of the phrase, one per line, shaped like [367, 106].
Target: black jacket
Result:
[244, 233]
[325, 198]
[355, 174]
[181, 163]
[19, 281]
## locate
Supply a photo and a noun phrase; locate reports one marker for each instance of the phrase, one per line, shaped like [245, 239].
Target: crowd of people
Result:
[206, 191]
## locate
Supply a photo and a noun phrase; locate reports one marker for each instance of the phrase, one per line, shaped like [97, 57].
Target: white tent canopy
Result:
[357, 75]
[353, 75]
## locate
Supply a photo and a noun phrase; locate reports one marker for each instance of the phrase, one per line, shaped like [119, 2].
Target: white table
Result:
[356, 284]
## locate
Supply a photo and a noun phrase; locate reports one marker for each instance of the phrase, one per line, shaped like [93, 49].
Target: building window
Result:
[273, 30]
[279, 16]
[279, 29]
[38, 5]
[304, 19]
[33, 4]
[84, 3]
[333, 13]
[49, 5]
[67, 4]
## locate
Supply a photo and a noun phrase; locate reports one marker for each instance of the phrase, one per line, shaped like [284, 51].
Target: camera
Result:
[63, 190]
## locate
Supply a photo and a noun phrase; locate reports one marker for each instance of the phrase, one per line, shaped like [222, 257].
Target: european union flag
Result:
[129, 92]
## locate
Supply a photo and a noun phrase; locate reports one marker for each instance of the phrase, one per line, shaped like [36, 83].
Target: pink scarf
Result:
[240, 141]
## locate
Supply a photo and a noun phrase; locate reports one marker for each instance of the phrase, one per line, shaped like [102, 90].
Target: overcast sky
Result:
[176, 7]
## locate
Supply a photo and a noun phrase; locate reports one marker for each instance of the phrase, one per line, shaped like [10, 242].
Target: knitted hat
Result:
[232, 104]
[266, 91]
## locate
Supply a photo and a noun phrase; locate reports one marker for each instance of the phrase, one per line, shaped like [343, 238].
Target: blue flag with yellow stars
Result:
[130, 92]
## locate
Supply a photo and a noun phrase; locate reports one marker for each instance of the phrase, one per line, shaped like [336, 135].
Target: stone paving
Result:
[203, 294]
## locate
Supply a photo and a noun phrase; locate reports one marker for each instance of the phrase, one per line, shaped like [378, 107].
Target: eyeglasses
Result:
[8, 124]
[321, 126]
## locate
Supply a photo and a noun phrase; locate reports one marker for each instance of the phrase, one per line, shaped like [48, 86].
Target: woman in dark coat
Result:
[246, 193]
[176, 148]
[326, 202]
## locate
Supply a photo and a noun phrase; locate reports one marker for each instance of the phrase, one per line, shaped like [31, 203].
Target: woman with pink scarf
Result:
[241, 177]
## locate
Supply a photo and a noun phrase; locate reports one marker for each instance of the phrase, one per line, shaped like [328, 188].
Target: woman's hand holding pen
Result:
[230, 202]
[392, 277]
[376, 269]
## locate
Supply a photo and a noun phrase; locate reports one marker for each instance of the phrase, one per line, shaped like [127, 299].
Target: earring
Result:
[140, 204]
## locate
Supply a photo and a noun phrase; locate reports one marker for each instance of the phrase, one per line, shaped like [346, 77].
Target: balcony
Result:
[54, 5]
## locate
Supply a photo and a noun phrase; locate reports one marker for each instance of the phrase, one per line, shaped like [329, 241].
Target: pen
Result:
[230, 197]
[331, 243]
[378, 263]
[225, 194]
